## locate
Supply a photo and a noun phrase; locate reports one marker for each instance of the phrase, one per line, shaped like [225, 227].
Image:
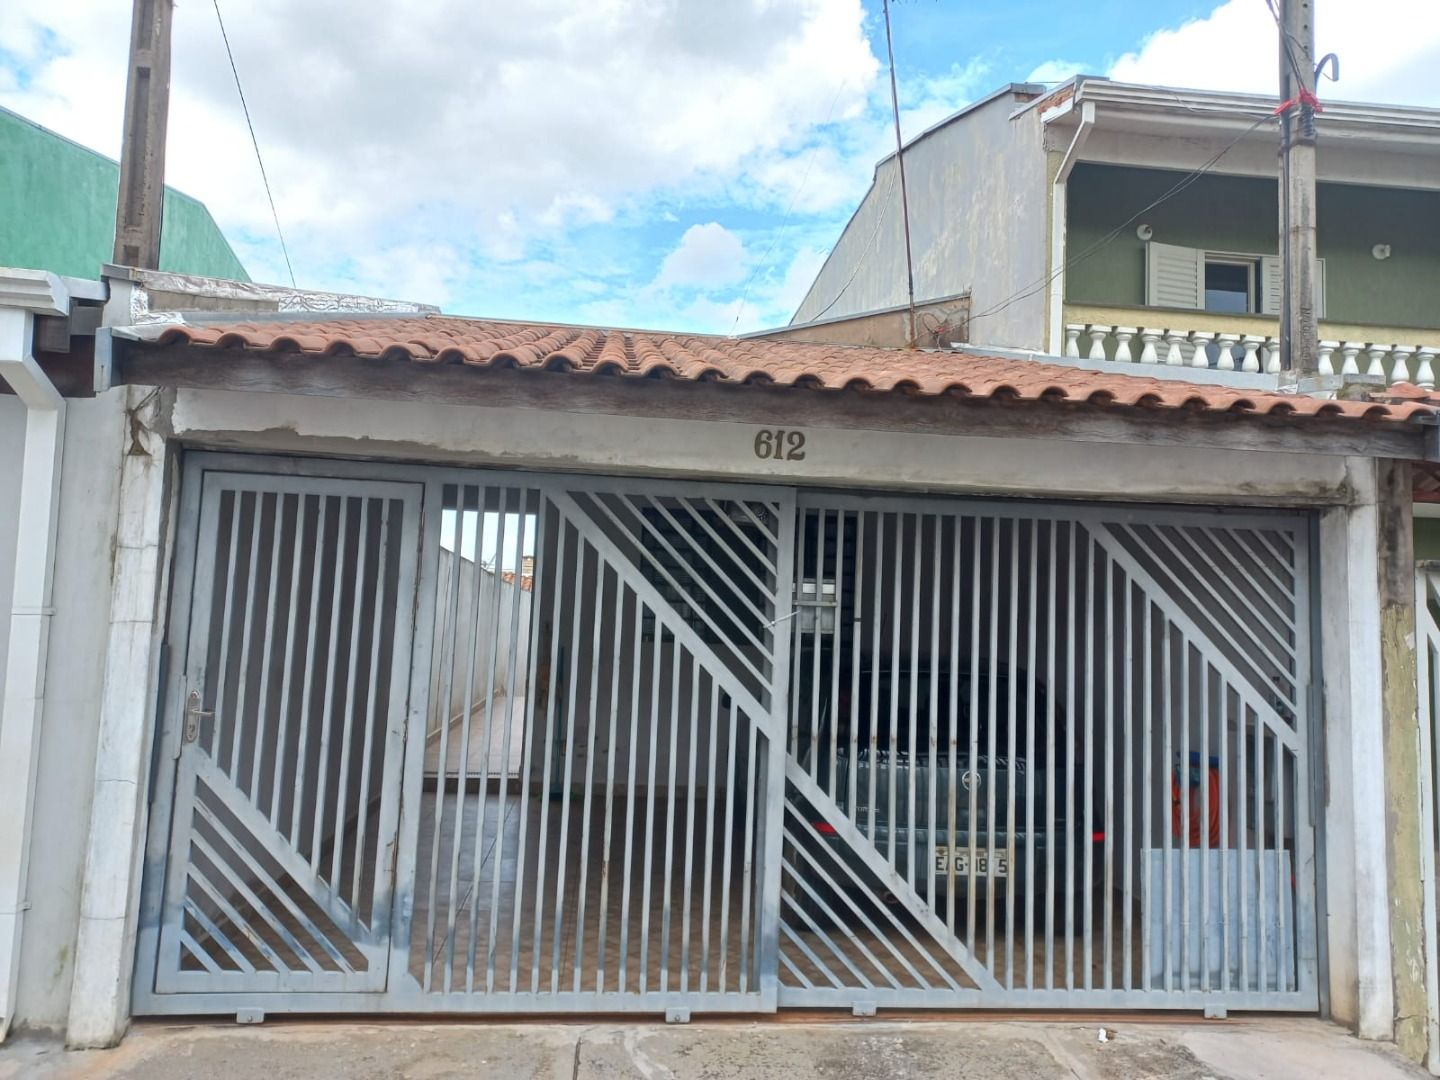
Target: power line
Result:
[254, 142]
[860, 261]
[1179, 186]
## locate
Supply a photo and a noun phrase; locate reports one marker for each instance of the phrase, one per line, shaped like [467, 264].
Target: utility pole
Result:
[900, 164]
[141, 198]
[1299, 329]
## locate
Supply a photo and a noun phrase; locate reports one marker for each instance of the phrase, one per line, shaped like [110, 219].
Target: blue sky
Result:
[671, 163]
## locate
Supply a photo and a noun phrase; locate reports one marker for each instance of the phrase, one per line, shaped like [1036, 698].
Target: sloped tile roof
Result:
[442, 339]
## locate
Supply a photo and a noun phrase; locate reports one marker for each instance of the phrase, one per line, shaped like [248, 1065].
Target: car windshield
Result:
[1007, 698]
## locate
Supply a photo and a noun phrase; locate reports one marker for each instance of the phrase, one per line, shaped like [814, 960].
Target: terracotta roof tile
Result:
[635, 354]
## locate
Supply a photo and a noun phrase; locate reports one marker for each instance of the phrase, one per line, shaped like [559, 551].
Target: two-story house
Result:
[1128, 223]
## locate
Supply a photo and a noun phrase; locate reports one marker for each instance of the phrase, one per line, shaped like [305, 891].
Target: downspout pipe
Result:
[23, 295]
[1059, 227]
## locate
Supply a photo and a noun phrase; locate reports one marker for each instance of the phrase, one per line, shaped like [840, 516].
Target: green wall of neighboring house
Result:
[1427, 538]
[57, 210]
[1234, 213]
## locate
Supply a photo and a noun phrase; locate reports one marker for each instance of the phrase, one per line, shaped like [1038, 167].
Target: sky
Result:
[681, 164]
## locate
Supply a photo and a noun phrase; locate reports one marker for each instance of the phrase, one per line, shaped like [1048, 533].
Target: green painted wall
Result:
[1427, 538]
[1233, 213]
[57, 210]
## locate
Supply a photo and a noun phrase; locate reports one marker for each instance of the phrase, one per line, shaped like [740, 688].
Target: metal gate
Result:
[1427, 672]
[1047, 757]
[445, 740]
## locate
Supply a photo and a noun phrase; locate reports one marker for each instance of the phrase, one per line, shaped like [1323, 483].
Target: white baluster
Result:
[1072, 339]
[1123, 334]
[1327, 353]
[1226, 343]
[1425, 373]
[1272, 356]
[1251, 344]
[1377, 353]
[1173, 340]
[1097, 341]
[1350, 350]
[1200, 357]
[1400, 371]
[1151, 338]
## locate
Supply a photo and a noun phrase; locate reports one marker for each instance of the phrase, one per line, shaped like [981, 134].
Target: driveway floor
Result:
[790, 1049]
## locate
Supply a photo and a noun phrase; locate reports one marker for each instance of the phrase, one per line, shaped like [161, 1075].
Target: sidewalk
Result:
[788, 1049]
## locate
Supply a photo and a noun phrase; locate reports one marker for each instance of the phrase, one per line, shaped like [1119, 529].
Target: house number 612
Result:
[780, 444]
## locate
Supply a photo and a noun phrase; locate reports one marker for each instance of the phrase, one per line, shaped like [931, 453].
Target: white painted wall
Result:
[12, 448]
[88, 507]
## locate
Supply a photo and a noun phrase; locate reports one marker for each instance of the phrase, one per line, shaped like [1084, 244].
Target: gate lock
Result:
[193, 715]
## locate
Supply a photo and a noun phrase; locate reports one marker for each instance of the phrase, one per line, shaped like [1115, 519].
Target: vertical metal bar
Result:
[1147, 838]
[670, 814]
[1262, 920]
[709, 836]
[1051, 758]
[817, 611]
[1012, 654]
[991, 714]
[352, 686]
[1185, 823]
[726, 892]
[511, 663]
[656, 641]
[227, 617]
[747, 862]
[1282, 983]
[972, 765]
[540, 589]
[912, 747]
[1129, 852]
[637, 647]
[690, 824]
[1203, 915]
[577, 620]
[1108, 897]
[467, 713]
[1242, 788]
[876, 611]
[1029, 896]
[1167, 649]
[893, 747]
[932, 751]
[235, 766]
[1073, 685]
[262, 735]
[288, 666]
[798, 633]
[1088, 835]
[597, 623]
[953, 776]
[857, 628]
[323, 763]
[557, 605]
[368, 746]
[616, 639]
[302, 744]
[1225, 830]
[835, 648]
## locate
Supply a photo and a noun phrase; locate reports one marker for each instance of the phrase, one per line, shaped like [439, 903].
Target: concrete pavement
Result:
[791, 1049]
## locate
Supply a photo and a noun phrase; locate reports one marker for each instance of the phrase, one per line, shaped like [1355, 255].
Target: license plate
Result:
[985, 865]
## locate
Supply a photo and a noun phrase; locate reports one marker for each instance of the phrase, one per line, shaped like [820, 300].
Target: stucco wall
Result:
[1238, 213]
[57, 210]
[88, 505]
[977, 222]
[12, 444]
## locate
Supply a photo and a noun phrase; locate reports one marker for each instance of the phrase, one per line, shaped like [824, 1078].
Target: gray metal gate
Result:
[445, 740]
[1047, 757]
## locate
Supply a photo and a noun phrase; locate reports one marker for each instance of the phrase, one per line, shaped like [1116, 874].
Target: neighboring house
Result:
[1032, 203]
[57, 210]
[848, 677]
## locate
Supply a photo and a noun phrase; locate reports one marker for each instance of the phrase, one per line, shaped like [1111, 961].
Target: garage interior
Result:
[728, 748]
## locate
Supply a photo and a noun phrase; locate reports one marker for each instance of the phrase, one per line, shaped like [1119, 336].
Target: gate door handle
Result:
[193, 715]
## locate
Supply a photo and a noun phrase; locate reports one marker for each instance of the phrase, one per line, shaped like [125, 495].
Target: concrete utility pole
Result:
[1299, 328]
[142, 154]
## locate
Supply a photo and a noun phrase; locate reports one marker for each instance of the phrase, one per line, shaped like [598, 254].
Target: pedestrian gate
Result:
[464, 741]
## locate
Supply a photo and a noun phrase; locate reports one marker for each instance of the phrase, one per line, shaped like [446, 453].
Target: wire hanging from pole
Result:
[900, 164]
[254, 142]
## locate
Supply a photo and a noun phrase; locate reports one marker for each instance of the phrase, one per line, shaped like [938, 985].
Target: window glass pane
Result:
[1227, 287]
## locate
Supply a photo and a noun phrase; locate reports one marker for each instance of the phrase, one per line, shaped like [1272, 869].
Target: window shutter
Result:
[1174, 276]
[1271, 274]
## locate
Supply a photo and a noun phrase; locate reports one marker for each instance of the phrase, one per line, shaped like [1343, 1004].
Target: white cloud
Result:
[1055, 71]
[1389, 51]
[708, 256]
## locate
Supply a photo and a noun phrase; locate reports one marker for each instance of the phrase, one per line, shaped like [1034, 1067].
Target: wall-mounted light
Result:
[1381, 251]
[1145, 232]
